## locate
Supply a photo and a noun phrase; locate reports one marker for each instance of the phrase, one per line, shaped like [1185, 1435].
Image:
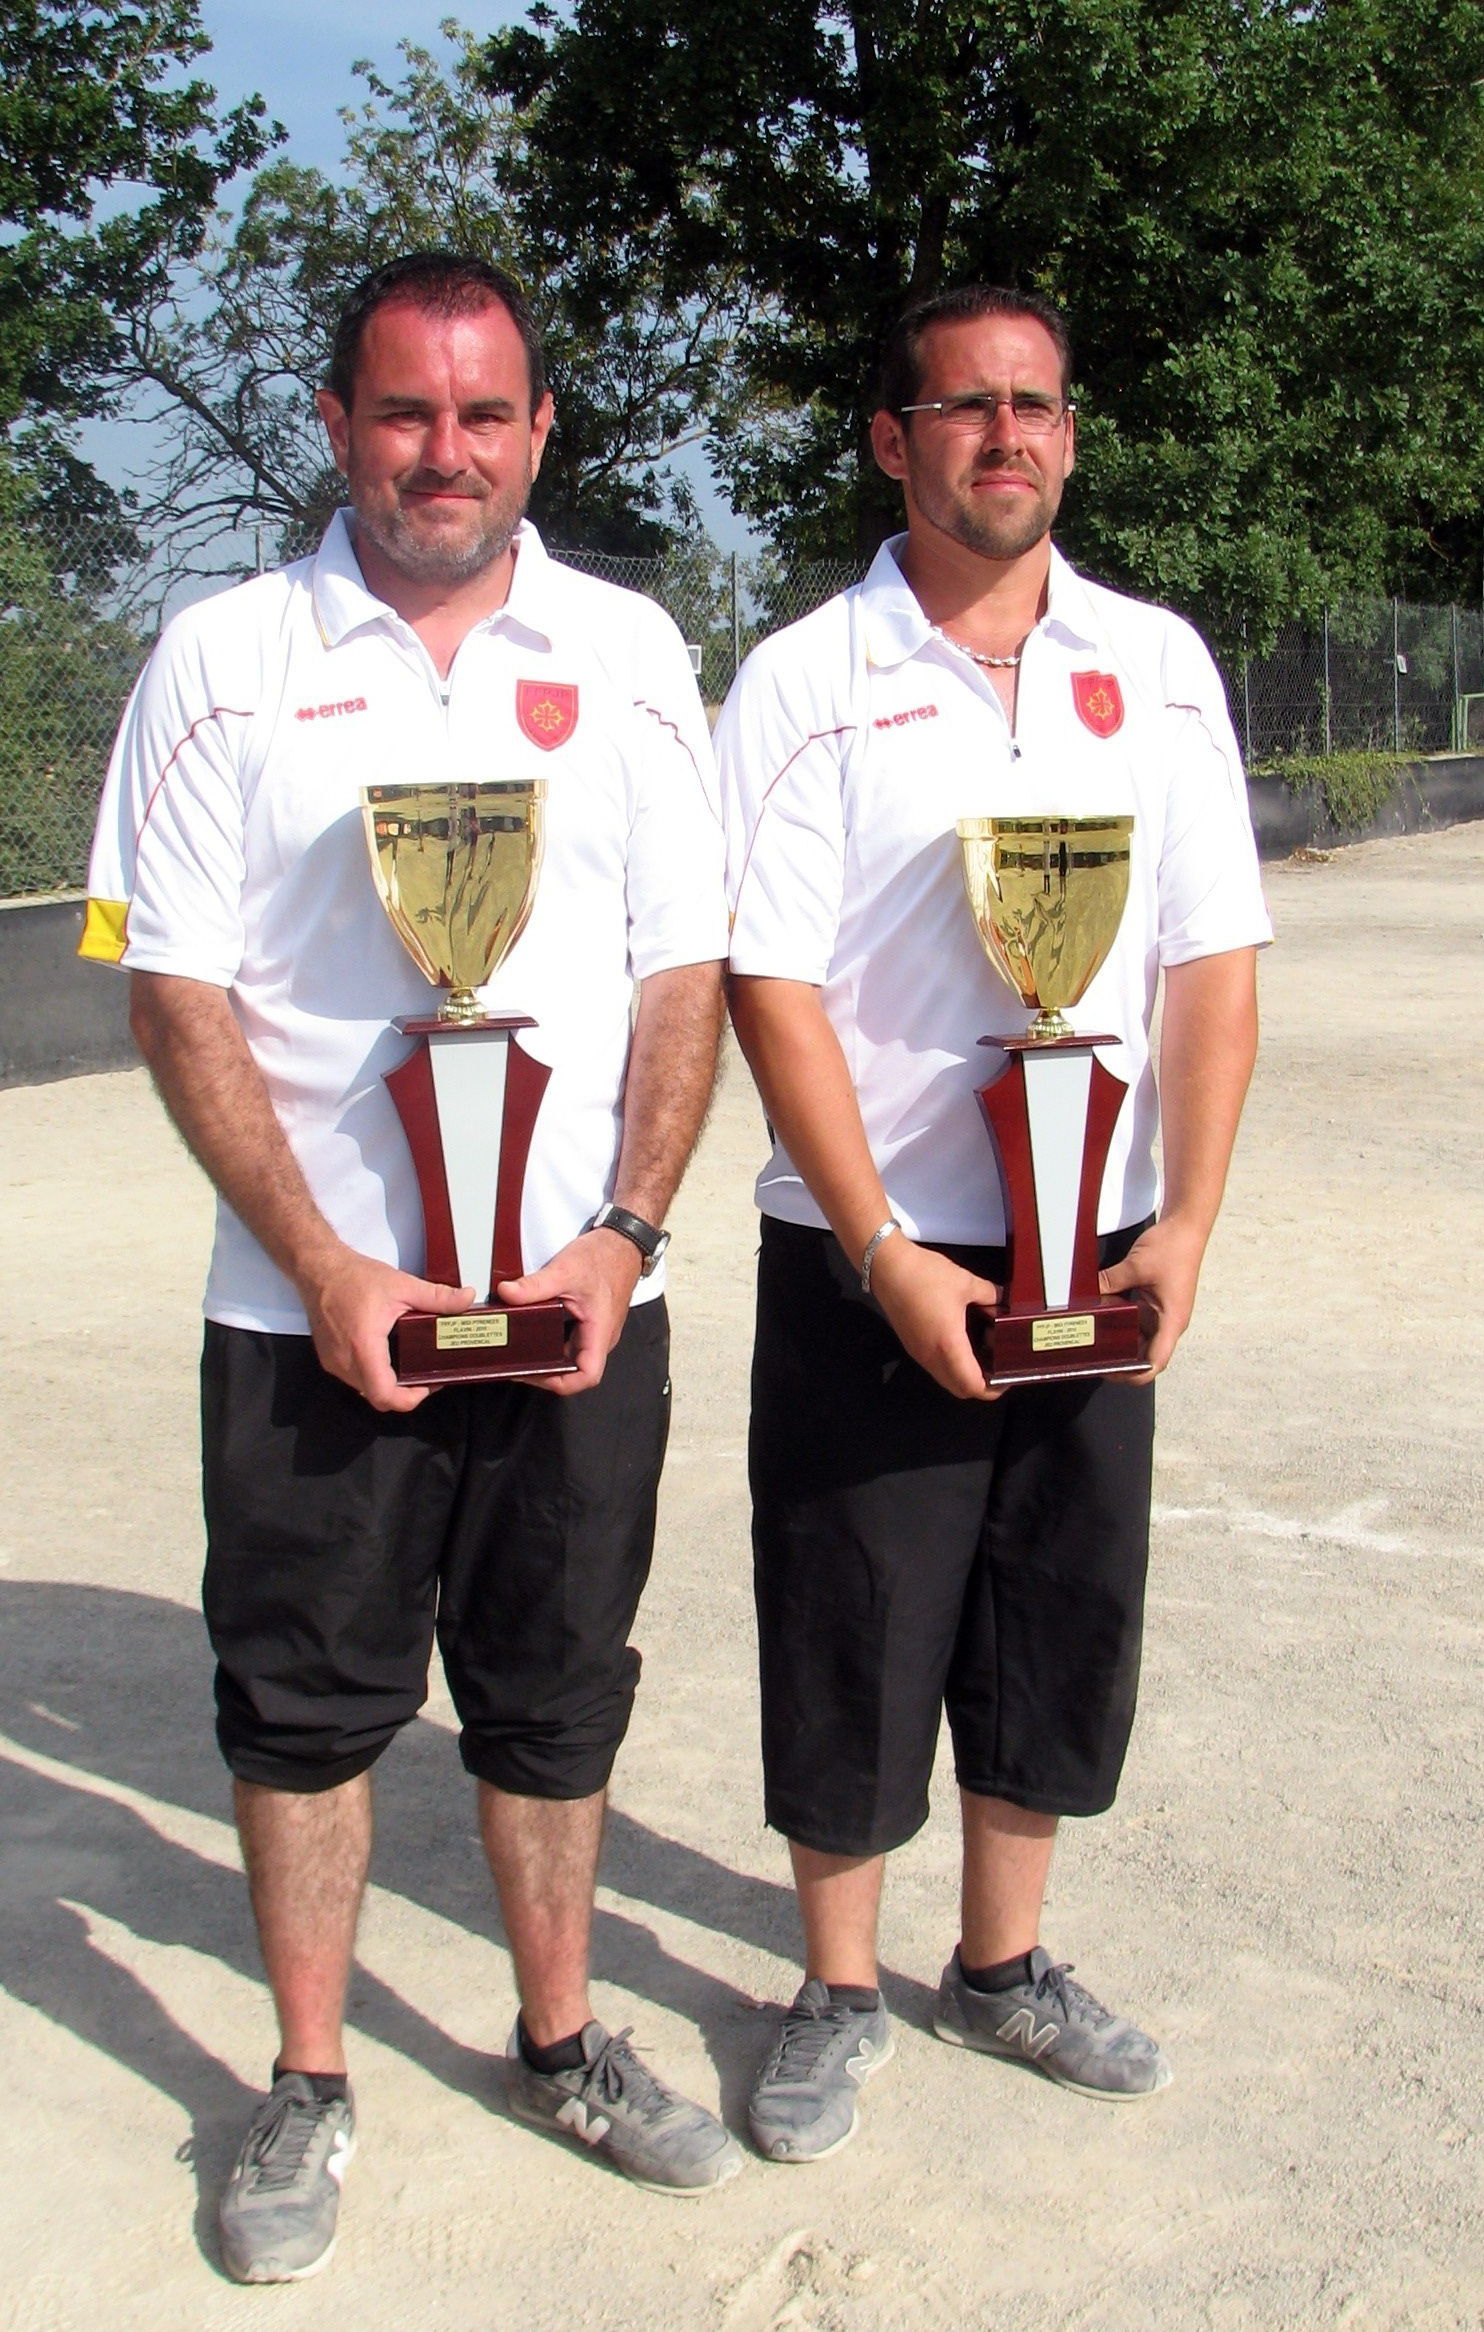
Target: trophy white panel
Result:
[1057, 1089]
[469, 1072]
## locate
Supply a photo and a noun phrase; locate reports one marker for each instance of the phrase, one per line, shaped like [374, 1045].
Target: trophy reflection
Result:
[1047, 896]
[456, 867]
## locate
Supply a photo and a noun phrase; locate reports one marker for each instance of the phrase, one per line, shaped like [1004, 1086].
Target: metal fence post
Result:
[736, 618]
[1246, 699]
[1329, 744]
[1457, 680]
[1396, 675]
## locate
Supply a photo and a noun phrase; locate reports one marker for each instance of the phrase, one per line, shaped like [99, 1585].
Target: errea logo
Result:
[327, 712]
[919, 712]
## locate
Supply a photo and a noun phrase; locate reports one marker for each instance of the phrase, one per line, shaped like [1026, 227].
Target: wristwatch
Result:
[650, 1242]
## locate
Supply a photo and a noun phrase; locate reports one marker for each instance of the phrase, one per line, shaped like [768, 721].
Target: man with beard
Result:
[921, 1542]
[348, 1516]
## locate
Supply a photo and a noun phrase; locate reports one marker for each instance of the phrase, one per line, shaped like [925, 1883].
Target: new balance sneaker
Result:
[277, 2217]
[803, 2105]
[614, 2103]
[1056, 2026]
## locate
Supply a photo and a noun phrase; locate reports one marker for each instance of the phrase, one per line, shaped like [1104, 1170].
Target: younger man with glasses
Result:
[919, 1541]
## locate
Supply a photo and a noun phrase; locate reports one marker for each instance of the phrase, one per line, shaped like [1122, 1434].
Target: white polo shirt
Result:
[851, 745]
[230, 848]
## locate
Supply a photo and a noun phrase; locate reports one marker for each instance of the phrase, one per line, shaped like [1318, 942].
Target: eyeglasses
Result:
[1035, 416]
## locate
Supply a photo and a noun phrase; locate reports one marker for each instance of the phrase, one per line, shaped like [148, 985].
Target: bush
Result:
[1352, 787]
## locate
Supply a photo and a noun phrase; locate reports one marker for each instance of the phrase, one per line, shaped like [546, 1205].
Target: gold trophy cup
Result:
[1047, 896]
[456, 866]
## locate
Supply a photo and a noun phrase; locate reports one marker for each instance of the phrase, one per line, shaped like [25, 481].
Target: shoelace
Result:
[807, 2033]
[1074, 2000]
[617, 2074]
[287, 2133]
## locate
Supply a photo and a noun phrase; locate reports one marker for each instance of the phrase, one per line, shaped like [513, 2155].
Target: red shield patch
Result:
[546, 711]
[1099, 702]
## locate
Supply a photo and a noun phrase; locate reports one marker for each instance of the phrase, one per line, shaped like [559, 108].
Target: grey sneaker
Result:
[277, 2217]
[803, 2105]
[614, 2103]
[1056, 2026]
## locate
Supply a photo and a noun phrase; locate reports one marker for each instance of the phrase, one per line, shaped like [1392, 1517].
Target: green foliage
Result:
[1352, 787]
[93, 103]
[65, 671]
[90, 100]
[1261, 214]
[432, 159]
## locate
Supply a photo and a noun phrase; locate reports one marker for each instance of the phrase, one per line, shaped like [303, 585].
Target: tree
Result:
[1262, 215]
[89, 104]
[92, 106]
[432, 159]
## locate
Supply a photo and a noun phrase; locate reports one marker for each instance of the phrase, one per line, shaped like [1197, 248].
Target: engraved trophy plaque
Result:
[1047, 896]
[456, 867]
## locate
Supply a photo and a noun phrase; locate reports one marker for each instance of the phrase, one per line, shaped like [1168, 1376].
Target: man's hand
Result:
[353, 1303]
[214, 1091]
[927, 1298]
[1161, 1270]
[594, 1276]
[794, 1054]
[672, 1066]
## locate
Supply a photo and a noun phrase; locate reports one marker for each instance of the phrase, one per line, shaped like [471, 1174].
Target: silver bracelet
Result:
[891, 1224]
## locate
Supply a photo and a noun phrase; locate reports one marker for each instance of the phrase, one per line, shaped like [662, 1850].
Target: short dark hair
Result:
[901, 358]
[442, 283]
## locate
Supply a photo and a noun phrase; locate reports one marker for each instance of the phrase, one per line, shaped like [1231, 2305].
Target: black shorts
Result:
[517, 1524]
[913, 1551]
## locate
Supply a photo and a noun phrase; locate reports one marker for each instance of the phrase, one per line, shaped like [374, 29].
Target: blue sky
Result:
[299, 54]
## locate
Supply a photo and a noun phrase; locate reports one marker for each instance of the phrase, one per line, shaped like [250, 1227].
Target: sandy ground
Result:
[1287, 1891]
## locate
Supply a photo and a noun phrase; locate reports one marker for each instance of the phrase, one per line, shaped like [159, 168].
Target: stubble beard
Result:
[990, 533]
[424, 554]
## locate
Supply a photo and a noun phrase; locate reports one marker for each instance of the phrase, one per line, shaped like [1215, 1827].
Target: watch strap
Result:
[647, 1237]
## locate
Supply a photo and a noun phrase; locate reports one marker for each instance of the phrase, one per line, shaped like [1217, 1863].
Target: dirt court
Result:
[1287, 1892]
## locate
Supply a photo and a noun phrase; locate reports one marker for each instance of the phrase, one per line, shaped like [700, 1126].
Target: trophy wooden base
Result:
[482, 1345]
[1051, 1114]
[1039, 1348]
[468, 1096]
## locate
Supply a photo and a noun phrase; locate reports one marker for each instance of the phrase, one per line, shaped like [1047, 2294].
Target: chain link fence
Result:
[723, 604]
[1384, 675]
[68, 658]
[1374, 676]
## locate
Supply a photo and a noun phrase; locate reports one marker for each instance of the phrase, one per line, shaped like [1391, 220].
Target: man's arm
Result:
[672, 1068]
[214, 1091]
[1208, 1043]
[795, 1057]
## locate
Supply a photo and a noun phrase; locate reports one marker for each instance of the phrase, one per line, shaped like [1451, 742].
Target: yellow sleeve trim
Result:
[104, 933]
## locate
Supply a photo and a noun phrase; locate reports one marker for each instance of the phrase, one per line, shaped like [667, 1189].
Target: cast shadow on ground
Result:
[116, 1686]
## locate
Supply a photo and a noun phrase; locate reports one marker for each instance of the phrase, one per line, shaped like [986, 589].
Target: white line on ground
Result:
[1348, 1528]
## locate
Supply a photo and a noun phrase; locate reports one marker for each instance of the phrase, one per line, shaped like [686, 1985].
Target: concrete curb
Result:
[58, 1017]
[1444, 790]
